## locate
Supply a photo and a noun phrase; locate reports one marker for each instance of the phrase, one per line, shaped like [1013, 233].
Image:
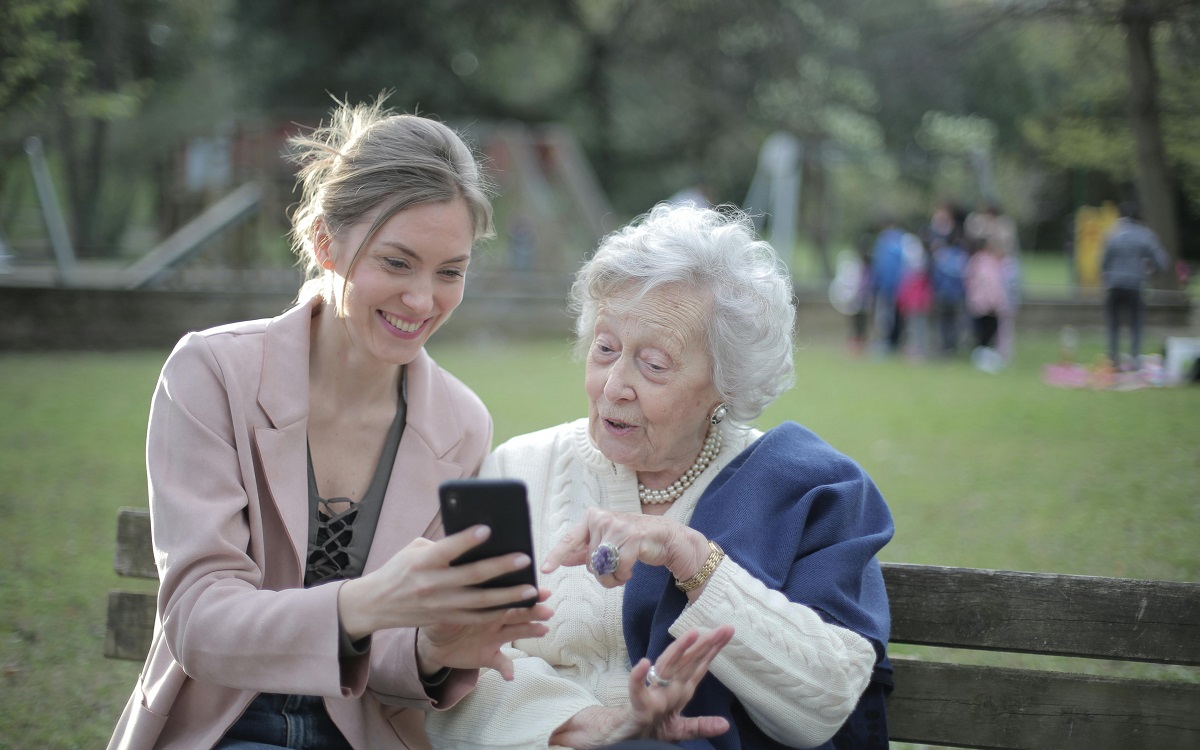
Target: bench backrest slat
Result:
[130, 626]
[1037, 613]
[991, 707]
[134, 555]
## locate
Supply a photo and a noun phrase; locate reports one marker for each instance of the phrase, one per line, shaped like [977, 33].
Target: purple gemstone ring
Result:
[605, 559]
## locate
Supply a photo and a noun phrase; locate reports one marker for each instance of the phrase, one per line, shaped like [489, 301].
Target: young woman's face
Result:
[649, 383]
[406, 281]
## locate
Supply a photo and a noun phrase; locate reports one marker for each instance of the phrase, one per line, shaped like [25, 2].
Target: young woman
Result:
[293, 468]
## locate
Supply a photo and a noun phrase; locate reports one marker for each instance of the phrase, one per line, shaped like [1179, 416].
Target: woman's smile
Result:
[402, 328]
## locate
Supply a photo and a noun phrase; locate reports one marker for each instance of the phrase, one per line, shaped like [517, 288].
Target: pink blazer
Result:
[226, 457]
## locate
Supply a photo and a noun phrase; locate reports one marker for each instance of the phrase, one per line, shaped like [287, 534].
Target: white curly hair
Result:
[751, 320]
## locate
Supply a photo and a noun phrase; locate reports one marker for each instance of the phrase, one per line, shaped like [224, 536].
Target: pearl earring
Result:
[718, 414]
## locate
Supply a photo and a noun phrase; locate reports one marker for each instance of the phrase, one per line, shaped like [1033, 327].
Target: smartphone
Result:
[500, 504]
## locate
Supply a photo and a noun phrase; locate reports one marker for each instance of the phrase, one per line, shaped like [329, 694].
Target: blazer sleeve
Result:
[216, 622]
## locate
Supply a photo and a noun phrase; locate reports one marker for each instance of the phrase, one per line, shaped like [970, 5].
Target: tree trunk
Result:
[819, 213]
[91, 189]
[1155, 193]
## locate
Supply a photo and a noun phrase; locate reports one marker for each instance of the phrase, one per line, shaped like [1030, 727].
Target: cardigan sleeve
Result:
[798, 676]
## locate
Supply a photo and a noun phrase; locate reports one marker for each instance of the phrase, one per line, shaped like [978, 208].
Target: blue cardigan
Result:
[807, 521]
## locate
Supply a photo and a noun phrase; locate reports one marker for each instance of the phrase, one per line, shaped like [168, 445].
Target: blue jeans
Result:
[296, 722]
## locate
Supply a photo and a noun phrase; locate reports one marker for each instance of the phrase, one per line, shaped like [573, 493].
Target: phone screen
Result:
[500, 504]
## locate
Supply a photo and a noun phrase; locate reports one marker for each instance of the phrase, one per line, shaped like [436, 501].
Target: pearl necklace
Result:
[712, 446]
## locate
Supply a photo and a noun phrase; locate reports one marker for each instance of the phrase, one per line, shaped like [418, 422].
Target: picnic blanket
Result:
[1104, 377]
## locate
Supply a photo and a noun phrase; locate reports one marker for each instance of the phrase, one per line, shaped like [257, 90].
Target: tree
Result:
[74, 70]
[1145, 25]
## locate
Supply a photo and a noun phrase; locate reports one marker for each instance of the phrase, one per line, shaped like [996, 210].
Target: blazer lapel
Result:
[283, 446]
[432, 430]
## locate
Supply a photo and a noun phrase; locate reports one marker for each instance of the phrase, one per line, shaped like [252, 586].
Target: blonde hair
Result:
[368, 157]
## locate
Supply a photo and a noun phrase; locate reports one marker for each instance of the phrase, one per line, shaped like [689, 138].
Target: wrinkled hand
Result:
[419, 588]
[470, 646]
[655, 711]
[653, 540]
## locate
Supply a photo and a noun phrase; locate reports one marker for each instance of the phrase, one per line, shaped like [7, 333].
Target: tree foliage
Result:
[35, 62]
[889, 96]
[79, 73]
[660, 93]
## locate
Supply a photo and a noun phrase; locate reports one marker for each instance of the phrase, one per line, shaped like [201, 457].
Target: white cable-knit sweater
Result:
[797, 676]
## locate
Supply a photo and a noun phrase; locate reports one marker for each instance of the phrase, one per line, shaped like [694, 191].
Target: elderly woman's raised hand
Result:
[653, 540]
[658, 694]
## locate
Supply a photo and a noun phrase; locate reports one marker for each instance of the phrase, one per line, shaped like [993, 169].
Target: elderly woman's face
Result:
[649, 382]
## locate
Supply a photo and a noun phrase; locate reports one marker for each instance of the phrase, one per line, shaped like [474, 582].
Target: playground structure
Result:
[550, 208]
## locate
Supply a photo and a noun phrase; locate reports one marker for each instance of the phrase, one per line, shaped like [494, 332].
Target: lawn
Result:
[990, 471]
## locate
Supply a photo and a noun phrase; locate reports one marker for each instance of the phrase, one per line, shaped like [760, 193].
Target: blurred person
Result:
[945, 220]
[850, 291]
[999, 232]
[990, 223]
[887, 270]
[987, 300]
[861, 319]
[293, 468]
[914, 297]
[1132, 252]
[714, 585]
[949, 262]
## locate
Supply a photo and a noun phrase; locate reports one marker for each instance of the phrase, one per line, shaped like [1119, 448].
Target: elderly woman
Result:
[712, 583]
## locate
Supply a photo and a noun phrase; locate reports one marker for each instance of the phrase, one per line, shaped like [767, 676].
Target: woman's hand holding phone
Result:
[462, 624]
[470, 646]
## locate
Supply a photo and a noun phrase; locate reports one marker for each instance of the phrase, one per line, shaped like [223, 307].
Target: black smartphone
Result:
[500, 504]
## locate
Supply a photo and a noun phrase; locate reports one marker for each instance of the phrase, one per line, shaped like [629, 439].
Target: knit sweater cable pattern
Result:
[797, 676]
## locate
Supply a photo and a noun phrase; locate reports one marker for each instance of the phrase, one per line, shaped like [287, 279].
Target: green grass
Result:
[989, 471]
[71, 447]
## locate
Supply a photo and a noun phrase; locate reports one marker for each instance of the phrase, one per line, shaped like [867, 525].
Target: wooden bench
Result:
[938, 701]
[130, 621]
